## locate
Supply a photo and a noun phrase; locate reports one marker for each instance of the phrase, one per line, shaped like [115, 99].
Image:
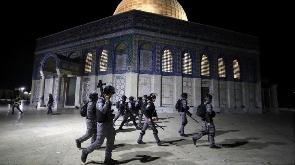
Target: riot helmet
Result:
[93, 94]
[184, 95]
[131, 98]
[152, 96]
[139, 98]
[109, 90]
[208, 97]
[145, 96]
[124, 98]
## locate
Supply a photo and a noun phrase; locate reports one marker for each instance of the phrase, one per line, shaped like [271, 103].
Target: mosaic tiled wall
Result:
[120, 86]
[146, 60]
[36, 91]
[55, 94]
[85, 89]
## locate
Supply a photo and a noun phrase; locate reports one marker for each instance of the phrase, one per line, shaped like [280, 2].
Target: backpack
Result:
[178, 105]
[83, 110]
[201, 110]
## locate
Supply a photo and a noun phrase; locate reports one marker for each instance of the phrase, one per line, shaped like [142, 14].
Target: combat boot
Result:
[140, 142]
[78, 143]
[194, 140]
[84, 156]
[110, 161]
[160, 143]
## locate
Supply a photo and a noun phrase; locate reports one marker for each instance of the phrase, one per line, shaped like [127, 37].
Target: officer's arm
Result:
[103, 107]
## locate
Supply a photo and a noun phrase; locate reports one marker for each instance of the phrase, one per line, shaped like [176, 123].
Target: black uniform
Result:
[130, 113]
[210, 130]
[121, 110]
[149, 112]
[182, 112]
[90, 124]
[139, 105]
[105, 127]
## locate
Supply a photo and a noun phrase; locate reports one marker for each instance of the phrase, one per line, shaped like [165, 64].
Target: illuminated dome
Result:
[169, 8]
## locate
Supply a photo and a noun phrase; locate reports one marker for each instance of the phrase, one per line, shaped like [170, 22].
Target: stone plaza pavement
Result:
[35, 138]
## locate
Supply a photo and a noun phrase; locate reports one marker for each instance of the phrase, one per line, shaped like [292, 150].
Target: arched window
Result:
[167, 59]
[103, 62]
[186, 64]
[205, 66]
[221, 67]
[88, 63]
[236, 68]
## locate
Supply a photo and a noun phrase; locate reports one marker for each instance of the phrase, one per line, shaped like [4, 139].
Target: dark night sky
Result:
[28, 21]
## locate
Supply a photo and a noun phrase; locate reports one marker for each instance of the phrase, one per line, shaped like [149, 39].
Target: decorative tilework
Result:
[120, 86]
[36, 91]
[146, 60]
[85, 89]
[121, 62]
[188, 88]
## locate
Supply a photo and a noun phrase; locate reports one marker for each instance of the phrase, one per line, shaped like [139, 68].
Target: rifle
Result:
[100, 85]
[158, 126]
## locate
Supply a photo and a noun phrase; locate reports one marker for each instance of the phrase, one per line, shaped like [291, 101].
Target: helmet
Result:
[208, 97]
[152, 96]
[145, 96]
[184, 95]
[123, 97]
[109, 89]
[139, 98]
[131, 98]
[93, 94]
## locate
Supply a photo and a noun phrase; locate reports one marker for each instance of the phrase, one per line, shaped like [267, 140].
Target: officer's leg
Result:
[116, 117]
[139, 119]
[201, 133]
[142, 132]
[111, 134]
[183, 123]
[125, 118]
[211, 134]
[101, 134]
[87, 135]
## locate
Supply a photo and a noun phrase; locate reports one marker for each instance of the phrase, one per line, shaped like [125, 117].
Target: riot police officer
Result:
[130, 113]
[90, 120]
[121, 108]
[105, 127]
[149, 112]
[139, 107]
[182, 112]
[208, 126]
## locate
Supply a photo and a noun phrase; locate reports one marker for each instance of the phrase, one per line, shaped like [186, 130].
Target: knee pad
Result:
[155, 131]
[183, 123]
[203, 132]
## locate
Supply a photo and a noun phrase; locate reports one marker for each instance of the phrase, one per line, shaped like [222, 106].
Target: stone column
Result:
[41, 92]
[57, 104]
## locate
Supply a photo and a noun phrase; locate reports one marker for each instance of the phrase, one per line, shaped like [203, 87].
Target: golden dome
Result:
[169, 8]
